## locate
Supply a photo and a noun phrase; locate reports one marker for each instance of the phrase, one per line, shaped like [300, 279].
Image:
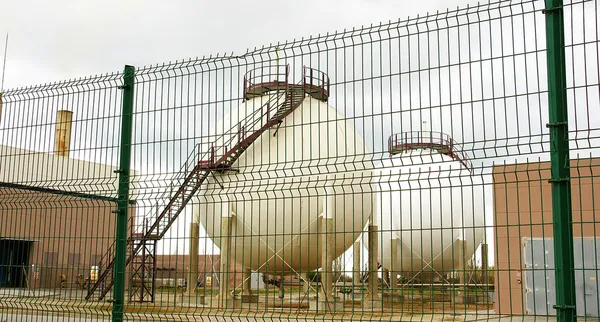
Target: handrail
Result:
[244, 126]
[433, 140]
[256, 76]
[258, 81]
[156, 222]
[314, 78]
[213, 157]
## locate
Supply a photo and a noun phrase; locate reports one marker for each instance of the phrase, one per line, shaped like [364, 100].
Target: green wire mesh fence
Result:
[397, 171]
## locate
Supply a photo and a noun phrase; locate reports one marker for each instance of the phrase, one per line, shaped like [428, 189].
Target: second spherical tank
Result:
[308, 167]
[430, 210]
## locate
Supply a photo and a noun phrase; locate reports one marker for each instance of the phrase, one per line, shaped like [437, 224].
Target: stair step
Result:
[185, 184]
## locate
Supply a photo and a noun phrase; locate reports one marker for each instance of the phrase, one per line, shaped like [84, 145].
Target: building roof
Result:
[45, 172]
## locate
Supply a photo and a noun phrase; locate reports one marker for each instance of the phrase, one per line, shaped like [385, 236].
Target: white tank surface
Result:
[428, 209]
[310, 166]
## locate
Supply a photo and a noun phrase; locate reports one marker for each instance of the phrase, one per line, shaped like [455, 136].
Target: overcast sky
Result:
[56, 40]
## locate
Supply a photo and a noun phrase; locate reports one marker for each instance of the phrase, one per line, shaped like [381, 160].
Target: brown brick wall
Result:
[68, 234]
[523, 208]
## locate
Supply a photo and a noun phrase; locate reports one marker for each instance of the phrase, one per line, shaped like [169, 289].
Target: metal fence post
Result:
[122, 212]
[559, 156]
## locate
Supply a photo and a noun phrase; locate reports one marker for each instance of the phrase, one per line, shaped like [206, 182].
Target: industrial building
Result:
[523, 229]
[57, 218]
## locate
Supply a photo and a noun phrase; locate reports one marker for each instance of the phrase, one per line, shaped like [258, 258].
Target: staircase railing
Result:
[198, 165]
[199, 161]
[214, 157]
[316, 83]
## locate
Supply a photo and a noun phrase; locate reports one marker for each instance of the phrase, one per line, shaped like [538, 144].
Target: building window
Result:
[73, 259]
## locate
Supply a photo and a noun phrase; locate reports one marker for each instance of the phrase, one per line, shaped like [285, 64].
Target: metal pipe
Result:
[123, 192]
[62, 137]
[562, 216]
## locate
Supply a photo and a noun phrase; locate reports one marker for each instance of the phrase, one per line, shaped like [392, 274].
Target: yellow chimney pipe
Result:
[62, 139]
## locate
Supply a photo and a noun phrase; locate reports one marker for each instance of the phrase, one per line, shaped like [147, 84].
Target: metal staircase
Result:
[221, 155]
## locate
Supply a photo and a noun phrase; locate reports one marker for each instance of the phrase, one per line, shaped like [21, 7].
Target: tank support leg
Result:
[460, 267]
[281, 290]
[325, 299]
[386, 277]
[484, 262]
[225, 267]
[394, 263]
[306, 286]
[373, 295]
[356, 280]
[460, 261]
[192, 278]
[247, 283]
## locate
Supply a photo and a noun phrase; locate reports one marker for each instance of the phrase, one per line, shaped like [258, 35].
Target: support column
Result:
[326, 231]
[394, 263]
[484, 262]
[558, 117]
[459, 261]
[247, 296]
[306, 286]
[224, 262]
[461, 296]
[373, 251]
[225, 267]
[326, 301]
[385, 273]
[247, 284]
[192, 277]
[356, 264]
[123, 192]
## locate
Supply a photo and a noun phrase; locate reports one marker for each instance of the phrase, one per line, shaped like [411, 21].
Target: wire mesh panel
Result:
[396, 171]
[58, 150]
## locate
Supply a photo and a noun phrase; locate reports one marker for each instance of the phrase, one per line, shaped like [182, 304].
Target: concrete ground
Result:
[129, 317]
[67, 305]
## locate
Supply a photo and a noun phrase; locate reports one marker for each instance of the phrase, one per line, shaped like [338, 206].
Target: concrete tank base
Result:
[194, 299]
[462, 298]
[227, 303]
[352, 303]
[283, 304]
[372, 305]
[249, 298]
[392, 298]
[326, 306]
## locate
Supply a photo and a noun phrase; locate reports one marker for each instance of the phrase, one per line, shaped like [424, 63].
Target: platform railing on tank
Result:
[265, 78]
[441, 142]
[316, 83]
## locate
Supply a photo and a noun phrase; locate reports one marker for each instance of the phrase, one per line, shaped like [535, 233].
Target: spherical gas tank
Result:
[307, 167]
[430, 210]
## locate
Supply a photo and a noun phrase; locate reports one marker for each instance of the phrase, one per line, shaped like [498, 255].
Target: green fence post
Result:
[122, 212]
[560, 166]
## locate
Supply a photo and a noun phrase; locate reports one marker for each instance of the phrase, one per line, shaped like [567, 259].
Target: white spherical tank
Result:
[429, 210]
[308, 167]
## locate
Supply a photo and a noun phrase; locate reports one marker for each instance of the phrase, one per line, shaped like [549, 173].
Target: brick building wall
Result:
[523, 209]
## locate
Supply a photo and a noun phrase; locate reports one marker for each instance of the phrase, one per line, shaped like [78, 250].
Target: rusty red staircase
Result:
[221, 155]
